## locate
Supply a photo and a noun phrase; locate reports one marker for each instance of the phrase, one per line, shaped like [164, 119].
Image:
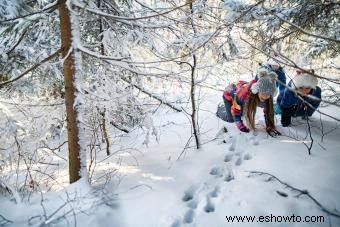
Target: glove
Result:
[273, 132]
[242, 127]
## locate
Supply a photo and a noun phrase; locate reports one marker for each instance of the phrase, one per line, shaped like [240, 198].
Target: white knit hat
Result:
[303, 79]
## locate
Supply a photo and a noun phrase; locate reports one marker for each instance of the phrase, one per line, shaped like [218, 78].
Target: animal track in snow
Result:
[233, 144]
[176, 223]
[215, 192]
[192, 204]
[253, 140]
[189, 216]
[189, 194]
[216, 171]
[229, 175]
[228, 157]
[247, 156]
[239, 161]
[209, 207]
[203, 197]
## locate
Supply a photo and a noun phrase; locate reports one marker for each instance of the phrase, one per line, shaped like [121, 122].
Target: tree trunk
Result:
[100, 35]
[70, 93]
[193, 104]
[194, 115]
[102, 51]
[104, 131]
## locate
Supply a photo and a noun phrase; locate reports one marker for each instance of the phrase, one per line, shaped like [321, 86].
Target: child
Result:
[244, 97]
[303, 84]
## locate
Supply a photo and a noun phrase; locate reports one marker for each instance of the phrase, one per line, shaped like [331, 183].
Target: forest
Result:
[115, 112]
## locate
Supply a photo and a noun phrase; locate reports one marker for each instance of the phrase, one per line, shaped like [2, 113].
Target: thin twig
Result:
[4, 221]
[152, 95]
[310, 135]
[53, 149]
[185, 147]
[301, 192]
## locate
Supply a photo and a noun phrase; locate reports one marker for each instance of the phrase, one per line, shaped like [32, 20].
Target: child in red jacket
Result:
[242, 98]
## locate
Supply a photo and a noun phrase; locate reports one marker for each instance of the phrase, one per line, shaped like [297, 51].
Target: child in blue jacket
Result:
[303, 84]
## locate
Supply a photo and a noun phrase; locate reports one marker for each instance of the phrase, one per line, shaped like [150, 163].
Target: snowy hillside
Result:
[234, 174]
[108, 113]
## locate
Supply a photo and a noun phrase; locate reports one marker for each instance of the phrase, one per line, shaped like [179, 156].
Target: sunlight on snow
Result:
[295, 141]
[158, 178]
[125, 169]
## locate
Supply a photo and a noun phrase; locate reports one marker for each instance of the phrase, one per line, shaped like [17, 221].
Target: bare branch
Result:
[119, 127]
[152, 95]
[54, 149]
[300, 191]
[185, 147]
[4, 221]
[310, 135]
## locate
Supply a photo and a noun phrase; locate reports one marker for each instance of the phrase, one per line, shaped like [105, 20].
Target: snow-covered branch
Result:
[119, 18]
[303, 30]
[49, 8]
[55, 54]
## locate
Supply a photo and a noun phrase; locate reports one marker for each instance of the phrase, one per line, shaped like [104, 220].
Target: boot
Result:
[286, 116]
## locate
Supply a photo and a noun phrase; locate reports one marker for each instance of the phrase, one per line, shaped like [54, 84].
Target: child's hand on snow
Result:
[242, 127]
[273, 132]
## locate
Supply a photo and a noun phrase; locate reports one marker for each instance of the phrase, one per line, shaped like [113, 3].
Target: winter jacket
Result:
[281, 76]
[292, 106]
[238, 94]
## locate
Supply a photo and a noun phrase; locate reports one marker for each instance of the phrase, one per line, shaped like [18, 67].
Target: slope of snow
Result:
[164, 185]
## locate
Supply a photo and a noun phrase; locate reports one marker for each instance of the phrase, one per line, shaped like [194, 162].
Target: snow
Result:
[154, 176]
[9, 8]
[205, 176]
[161, 186]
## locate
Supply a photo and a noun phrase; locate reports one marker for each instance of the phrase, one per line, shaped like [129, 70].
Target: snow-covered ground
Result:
[163, 185]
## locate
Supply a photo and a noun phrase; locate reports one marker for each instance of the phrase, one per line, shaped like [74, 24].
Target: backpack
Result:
[221, 112]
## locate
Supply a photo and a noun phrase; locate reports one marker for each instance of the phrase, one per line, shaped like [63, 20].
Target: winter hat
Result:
[304, 79]
[262, 71]
[265, 84]
[274, 61]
